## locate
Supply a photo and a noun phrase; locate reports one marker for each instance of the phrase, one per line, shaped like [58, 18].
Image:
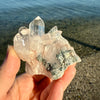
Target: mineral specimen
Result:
[47, 54]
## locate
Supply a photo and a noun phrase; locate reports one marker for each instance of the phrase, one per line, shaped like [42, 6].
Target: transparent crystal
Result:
[53, 30]
[47, 54]
[22, 30]
[37, 27]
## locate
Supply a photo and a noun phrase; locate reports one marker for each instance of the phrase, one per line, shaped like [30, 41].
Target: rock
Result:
[47, 54]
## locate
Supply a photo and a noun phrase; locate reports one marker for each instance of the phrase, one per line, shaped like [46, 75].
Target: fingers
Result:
[43, 84]
[55, 90]
[22, 88]
[8, 70]
[68, 76]
[40, 86]
[38, 78]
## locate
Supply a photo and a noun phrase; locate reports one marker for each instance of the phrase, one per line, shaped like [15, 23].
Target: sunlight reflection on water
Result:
[49, 9]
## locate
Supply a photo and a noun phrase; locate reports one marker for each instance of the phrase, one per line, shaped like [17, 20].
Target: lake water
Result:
[47, 9]
[26, 10]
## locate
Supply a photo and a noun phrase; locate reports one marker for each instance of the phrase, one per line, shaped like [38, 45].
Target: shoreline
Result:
[83, 34]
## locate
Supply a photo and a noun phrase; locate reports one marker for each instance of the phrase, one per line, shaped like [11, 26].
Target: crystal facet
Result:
[37, 26]
[53, 30]
[22, 30]
[47, 54]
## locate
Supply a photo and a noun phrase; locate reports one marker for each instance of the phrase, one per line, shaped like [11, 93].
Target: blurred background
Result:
[80, 22]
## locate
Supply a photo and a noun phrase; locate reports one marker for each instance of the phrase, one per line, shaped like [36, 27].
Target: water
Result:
[14, 11]
[47, 9]
[17, 13]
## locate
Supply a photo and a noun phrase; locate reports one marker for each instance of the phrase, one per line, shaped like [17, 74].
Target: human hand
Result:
[26, 87]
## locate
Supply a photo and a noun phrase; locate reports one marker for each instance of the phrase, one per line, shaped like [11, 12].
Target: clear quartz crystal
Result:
[47, 54]
[53, 30]
[37, 27]
[22, 30]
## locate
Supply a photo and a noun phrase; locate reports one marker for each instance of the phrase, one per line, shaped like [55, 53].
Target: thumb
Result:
[8, 70]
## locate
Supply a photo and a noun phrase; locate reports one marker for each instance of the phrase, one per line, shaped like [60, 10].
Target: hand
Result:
[26, 87]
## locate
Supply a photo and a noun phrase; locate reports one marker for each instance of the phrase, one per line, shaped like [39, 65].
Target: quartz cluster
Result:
[45, 54]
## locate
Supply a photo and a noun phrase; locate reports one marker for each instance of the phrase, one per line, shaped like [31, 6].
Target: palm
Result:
[28, 88]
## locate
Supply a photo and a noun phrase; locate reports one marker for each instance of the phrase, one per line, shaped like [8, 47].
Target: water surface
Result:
[13, 12]
[48, 9]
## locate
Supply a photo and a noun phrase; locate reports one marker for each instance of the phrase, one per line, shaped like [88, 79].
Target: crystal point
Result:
[37, 27]
[22, 30]
[38, 18]
[53, 30]
[45, 54]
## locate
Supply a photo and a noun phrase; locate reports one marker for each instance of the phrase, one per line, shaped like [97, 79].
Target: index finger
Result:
[55, 90]
[8, 70]
[68, 76]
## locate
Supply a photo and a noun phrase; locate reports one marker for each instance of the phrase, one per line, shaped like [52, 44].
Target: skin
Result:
[27, 87]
